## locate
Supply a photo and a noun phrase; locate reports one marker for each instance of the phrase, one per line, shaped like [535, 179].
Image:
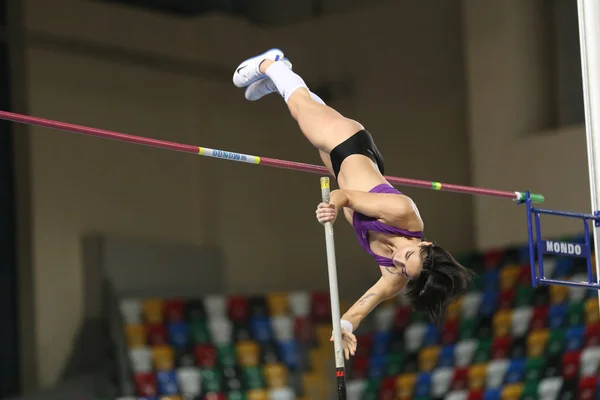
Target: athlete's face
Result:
[408, 260]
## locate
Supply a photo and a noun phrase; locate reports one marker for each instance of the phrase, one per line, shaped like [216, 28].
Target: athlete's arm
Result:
[386, 287]
[392, 209]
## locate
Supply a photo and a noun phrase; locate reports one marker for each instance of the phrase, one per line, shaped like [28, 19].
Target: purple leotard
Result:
[363, 224]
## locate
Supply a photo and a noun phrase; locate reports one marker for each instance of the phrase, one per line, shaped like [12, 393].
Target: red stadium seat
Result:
[174, 310]
[321, 307]
[587, 387]
[360, 367]
[570, 364]
[501, 347]
[402, 318]
[205, 355]
[145, 384]
[304, 330]
[449, 334]
[364, 345]
[238, 308]
[592, 335]
[493, 258]
[539, 320]
[506, 299]
[460, 379]
[387, 389]
[476, 394]
[157, 334]
[524, 277]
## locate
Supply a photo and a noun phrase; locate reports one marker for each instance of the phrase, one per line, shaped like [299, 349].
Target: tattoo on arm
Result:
[363, 301]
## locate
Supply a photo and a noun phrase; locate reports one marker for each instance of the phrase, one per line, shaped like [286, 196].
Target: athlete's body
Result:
[387, 223]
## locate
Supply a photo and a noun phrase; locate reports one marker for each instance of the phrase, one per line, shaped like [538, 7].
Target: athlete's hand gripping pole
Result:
[334, 298]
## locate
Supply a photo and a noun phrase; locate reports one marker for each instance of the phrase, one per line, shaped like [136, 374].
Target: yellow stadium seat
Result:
[153, 310]
[558, 294]
[278, 303]
[454, 309]
[592, 312]
[257, 394]
[502, 322]
[512, 391]
[477, 376]
[136, 335]
[314, 386]
[536, 343]
[275, 375]
[428, 358]
[248, 353]
[163, 357]
[405, 384]
[508, 276]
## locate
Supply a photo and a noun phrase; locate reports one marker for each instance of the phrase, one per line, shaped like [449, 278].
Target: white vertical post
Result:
[334, 297]
[589, 36]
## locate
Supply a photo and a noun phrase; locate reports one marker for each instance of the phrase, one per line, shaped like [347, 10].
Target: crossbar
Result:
[271, 162]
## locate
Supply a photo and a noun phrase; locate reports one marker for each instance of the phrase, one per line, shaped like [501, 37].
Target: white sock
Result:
[286, 80]
[317, 98]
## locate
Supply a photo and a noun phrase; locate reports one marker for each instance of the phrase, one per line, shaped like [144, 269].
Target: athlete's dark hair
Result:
[441, 281]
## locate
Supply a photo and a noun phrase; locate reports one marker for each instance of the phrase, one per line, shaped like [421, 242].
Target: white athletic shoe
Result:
[263, 86]
[248, 71]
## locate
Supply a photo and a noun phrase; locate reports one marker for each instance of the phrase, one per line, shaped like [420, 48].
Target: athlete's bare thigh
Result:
[359, 172]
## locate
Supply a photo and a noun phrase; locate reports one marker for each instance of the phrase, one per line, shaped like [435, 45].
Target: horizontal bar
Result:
[566, 214]
[585, 285]
[271, 162]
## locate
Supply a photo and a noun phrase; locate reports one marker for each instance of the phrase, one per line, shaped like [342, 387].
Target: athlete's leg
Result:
[323, 126]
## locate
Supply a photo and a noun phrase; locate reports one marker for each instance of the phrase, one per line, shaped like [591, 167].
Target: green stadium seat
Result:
[524, 296]
[467, 328]
[199, 332]
[395, 364]
[576, 313]
[253, 378]
[482, 354]
[530, 390]
[534, 369]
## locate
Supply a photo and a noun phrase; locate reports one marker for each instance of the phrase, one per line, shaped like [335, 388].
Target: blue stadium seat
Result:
[492, 394]
[557, 316]
[488, 304]
[381, 342]
[431, 336]
[491, 281]
[574, 337]
[289, 354]
[564, 267]
[260, 327]
[422, 385]
[515, 371]
[446, 357]
[377, 365]
[167, 383]
[179, 334]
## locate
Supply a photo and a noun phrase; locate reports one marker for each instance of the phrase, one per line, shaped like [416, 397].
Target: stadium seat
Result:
[508, 276]
[288, 351]
[205, 355]
[304, 330]
[136, 335]
[321, 307]
[282, 393]
[174, 310]
[550, 387]
[489, 303]
[524, 278]
[589, 363]
[454, 310]
[536, 342]
[428, 358]
[414, 336]
[512, 391]
[152, 310]
[592, 334]
[558, 294]
[238, 308]
[431, 336]
[167, 382]
[457, 395]
[574, 337]
[502, 322]
[470, 304]
[576, 313]
[199, 332]
[402, 318]
[189, 381]
[141, 359]
[226, 355]
[157, 334]
[592, 311]
[587, 387]
[179, 334]
[534, 369]
[163, 358]
[441, 380]
[276, 375]
[446, 356]
[278, 304]
[501, 347]
[360, 367]
[283, 327]
[477, 376]
[232, 379]
[257, 394]
[131, 310]
[422, 385]
[520, 320]
[556, 342]
[515, 371]
[395, 364]
[145, 384]
[467, 328]
[221, 330]
[355, 389]
[570, 364]
[460, 379]
[377, 365]
[405, 384]
[253, 378]
[530, 391]
[483, 351]
[260, 327]
[476, 394]
[464, 352]
[524, 296]
[449, 333]
[384, 318]
[491, 280]
[215, 306]
[299, 303]
[248, 353]
[557, 316]
[380, 344]
[506, 299]
[495, 373]
[382, 389]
